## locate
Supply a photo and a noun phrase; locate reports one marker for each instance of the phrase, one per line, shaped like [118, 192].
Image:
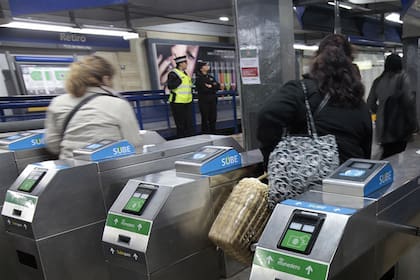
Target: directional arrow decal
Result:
[309, 270]
[269, 259]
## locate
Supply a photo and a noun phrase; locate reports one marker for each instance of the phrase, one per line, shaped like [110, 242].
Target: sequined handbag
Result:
[299, 163]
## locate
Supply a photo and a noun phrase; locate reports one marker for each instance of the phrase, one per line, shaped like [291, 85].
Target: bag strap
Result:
[74, 110]
[309, 118]
[322, 104]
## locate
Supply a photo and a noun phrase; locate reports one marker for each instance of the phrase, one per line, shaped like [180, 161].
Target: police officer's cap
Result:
[180, 59]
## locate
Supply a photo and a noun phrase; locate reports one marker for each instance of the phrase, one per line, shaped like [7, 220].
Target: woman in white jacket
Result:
[106, 115]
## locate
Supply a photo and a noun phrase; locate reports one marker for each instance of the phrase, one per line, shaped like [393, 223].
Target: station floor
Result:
[243, 275]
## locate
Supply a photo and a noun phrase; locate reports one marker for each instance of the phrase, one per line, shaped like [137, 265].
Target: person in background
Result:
[392, 82]
[103, 115]
[346, 115]
[166, 62]
[207, 88]
[180, 97]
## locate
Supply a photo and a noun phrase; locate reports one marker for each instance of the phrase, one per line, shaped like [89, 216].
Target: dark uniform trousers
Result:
[182, 113]
[208, 110]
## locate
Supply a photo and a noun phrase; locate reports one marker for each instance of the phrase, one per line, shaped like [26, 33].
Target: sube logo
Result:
[385, 177]
[229, 160]
[121, 150]
[37, 141]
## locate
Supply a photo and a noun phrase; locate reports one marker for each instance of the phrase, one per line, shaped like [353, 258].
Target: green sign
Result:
[134, 204]
[129, 224]
[296, 240]
[291, 264]
[21, 199]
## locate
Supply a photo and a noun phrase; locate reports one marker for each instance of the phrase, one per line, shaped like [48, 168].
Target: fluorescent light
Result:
[394, 17]
[347, 7]
[62, 28]
[305, 47]
[37, 26]
[106, 32]
[223, 18]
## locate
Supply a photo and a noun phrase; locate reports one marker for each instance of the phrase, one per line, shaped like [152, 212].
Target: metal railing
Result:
[151, 108]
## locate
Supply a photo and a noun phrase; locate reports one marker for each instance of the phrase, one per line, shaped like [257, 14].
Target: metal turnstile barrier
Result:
[17, 150]
[158, 226]
[357, 227]
[55, 210]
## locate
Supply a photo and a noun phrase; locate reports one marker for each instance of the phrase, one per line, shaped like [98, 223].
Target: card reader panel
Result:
[301, 232]
[30, 182]
[139, 200]
[357, 171]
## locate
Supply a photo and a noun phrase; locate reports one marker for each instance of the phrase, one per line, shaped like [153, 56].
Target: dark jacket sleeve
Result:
[282, 110]
[173, 81]
[367, 140]
[373, 97]
[200, 84]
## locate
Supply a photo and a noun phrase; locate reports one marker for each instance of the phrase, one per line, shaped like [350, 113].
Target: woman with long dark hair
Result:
[345, 115]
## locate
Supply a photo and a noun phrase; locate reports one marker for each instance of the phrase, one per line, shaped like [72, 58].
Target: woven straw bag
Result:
[241, 220]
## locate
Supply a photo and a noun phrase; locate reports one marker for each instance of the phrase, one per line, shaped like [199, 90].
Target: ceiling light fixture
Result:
[93, 30]
[223, 18]
[305, 47]
[347, 7]
[394, 17]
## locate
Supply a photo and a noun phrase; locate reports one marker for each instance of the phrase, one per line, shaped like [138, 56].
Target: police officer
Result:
[207, 87]
[180, 97]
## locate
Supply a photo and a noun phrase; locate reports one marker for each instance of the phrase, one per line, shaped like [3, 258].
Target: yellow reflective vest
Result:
[181, 94]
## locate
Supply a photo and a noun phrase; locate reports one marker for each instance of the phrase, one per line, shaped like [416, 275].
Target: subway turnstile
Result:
[55, 210]
[17, 150]
[362, 222]
[158, 227]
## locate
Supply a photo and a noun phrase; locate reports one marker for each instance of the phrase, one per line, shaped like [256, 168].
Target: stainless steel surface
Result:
[8, 175]
[332, 184]
[71, 208]
[115, 173]
[151, 137]
[273, 39]
[366, 244]
[11, 164]
[182, 211]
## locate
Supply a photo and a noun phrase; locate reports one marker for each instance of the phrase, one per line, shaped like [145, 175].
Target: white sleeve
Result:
[52, 132]
[129, 125]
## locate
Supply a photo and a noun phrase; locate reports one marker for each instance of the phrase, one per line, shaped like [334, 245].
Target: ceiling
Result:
[143, 14]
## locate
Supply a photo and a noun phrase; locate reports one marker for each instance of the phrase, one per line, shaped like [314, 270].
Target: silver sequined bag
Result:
[299, 163]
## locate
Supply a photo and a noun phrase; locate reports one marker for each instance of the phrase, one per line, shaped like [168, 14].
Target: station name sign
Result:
[56, 40]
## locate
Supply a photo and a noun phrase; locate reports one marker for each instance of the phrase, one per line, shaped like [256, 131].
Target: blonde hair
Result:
[88, 72]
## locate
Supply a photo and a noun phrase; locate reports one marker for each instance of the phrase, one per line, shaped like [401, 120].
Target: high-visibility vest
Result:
[183, 92]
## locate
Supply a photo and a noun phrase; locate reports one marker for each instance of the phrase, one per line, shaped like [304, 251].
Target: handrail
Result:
[158, 97]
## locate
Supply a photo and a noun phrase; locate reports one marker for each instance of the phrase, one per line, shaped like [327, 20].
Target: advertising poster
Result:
[250, 67]
[221, 59]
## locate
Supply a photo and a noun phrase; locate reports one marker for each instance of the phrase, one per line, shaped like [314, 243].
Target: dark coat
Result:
[387, 85]
[201, 88]
[352, 126]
